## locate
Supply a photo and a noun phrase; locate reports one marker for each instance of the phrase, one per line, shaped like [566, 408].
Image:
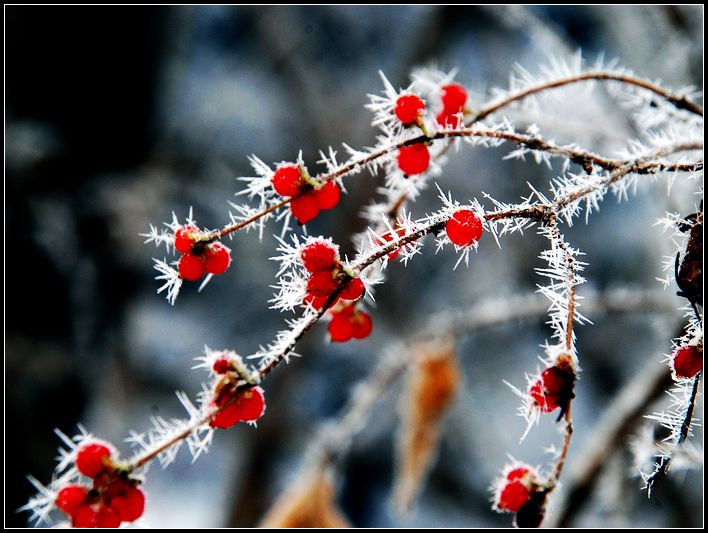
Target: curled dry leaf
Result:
[308, 503]
[433, 380]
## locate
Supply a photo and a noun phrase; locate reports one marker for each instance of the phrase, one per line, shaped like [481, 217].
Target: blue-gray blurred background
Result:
[117, 116]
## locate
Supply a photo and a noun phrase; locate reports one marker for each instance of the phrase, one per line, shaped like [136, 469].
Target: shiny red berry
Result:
[288, 180]
[513, 497]
[340, 328]
[321, 284]
[92, 459]
[305, 207]
[317, 302]
[517, 473]
[95, 515]
[362, 325]
[448, 120]
[192, 267]
[70, 498]
[318, 256]
[218, 258]
[454, 97]
[186, 237]
[688, 361]
[409, 108]
[248, 407]
[553, 389]
[413, 159]
[129, 504]
[464, 228]
[328, 195]
[354, 290]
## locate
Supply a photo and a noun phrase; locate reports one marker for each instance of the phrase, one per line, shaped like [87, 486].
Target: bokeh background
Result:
[117, 116]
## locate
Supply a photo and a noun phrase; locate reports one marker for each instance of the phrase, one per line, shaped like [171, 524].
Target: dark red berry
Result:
[362, 325]
[340, 328]
[464, 228]
[288, 180]
[129, 504]
[321, 284]
[222, 365]
[70, 498]
[218, 258]
[185, 238]
[317, 302]
[413, 159]
[553, 389]
[305, 207]
[318, 256]
[92, 459]
[513, 497]
[454, 97]
[517, 473]
[448, 120]
[192, 267]
[688, 361]
[248, 407]
[354, 290]
[95, 515]
[328, 195]
[409, 108]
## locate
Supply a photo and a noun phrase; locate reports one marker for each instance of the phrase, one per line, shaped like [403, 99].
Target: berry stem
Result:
[686, 424]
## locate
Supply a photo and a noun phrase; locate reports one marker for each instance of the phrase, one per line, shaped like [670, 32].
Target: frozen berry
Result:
[408, 109]
[517, 473]
[218, 258]
[340, 328]
[362, 325]
[454, 97]
[553, 389]
[388, 237]
[222, 365]
[129, 504]
[288, 180]
[95, 515]
[248, 407]
[328, 195]
[93, 458]
[318, 256]
[192, 267]
[186, 237]
[70, 498]
[317, 302]
[513, 497]
[413, 159]
[305, 207]
[464, 228]
[321, 284]
[688, 361]
[448, 120]
[354, 290]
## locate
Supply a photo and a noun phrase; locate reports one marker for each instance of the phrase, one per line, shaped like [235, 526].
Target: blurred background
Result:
[117, 116]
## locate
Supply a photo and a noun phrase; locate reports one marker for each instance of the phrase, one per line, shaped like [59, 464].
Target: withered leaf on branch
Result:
[308, 503]
[689, 269]
[433, 380]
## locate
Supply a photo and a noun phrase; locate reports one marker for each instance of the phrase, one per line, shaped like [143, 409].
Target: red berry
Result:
[388, 237]
[186, 237]
[222, 365]
[446, 119]
[408, 109]
[362, 325]
[354, 290]
[70, 498]
[464, 228]
[413, 159]
[248, 407]
[318, 256]
[218, 258]
[305, 207]
[340, 328]
[517, 473]
[454, 97]
[321, 284]
[95, 515]
[92, 459]
[129, 504]
[553, 389]
[328, 195]
[513, 497]
[317, 302]
[688, 361]
[192, 267]
[287, 180]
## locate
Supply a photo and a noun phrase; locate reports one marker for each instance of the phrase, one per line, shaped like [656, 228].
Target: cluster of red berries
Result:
[554, 388]
[321, 259]
[464, 227]
[454, 98]
[309, 196]
[245, 405]
[114, 498]
[200, 256]
[688, 361]
[349, 323]
[516, 488]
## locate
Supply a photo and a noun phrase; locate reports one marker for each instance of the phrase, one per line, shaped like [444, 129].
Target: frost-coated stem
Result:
[686, 424]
